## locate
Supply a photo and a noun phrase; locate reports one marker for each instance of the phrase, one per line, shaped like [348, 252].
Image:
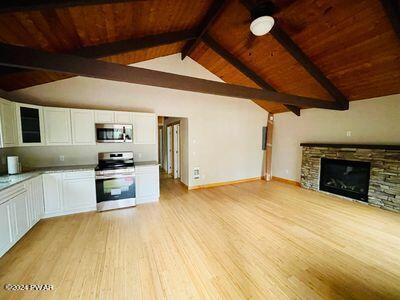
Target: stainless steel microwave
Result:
[114, 133]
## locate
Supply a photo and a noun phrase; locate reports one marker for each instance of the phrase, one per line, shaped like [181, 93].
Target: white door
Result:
[6, 231]
[123, 117]
[57, 124]
[52, 186]
[79, 191]
[8, 124]
[144, 128]
[177, 161]
[104, 116]
[147, 184]
[83, 127]
[21, 215]
[169, 149]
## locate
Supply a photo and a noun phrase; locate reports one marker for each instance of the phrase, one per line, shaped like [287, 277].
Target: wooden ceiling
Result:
[352, 42]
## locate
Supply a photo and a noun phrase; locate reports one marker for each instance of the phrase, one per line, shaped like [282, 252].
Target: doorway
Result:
[174, 150]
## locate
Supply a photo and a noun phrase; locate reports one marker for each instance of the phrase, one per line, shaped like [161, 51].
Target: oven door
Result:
[116, 187]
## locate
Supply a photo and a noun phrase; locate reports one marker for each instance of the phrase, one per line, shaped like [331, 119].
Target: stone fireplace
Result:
[368, 173]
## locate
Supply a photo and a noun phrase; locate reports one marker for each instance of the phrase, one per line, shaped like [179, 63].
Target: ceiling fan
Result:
[261, 21]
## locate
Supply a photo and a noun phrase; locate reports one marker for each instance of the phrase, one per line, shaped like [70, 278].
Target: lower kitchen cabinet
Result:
[52, 190]
[79, 191]
[69, 192]
[147, 184]
[14, 215]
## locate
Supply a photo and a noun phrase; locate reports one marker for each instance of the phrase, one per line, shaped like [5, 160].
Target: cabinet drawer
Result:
[12, 192]
[78, 175]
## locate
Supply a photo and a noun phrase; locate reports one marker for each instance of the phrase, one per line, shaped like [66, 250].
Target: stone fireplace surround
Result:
[384, 183]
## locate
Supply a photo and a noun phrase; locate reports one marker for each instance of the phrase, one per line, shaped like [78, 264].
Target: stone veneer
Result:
[384, 184]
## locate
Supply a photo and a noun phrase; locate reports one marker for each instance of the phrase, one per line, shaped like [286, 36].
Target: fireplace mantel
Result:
[352, 146]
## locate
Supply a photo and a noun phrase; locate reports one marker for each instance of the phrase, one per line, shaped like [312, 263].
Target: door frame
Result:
[171, 126]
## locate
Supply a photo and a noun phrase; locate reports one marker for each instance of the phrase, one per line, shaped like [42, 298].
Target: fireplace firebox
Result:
[345, 177]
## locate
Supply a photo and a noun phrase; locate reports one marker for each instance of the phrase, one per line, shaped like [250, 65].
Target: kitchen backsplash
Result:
[43, 156]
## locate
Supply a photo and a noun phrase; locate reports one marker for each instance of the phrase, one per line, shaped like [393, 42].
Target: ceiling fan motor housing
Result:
[263, 8]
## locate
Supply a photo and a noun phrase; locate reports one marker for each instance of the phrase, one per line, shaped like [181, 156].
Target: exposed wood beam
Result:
[392, 8]
[214, 45]
[212, 13]
[283, 38]
[7, 6]
[16, 56]
[108, 49]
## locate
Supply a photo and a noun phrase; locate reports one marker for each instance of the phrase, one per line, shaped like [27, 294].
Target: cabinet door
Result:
[123, 117]
[21, 215]
[57, 124]
[104, 116]
[6, 231]
[144, 128]
[147, 184]
[35, 187]
[83, 127]
[8, 124]
[30, 125]
[52, 190]
[79, 194]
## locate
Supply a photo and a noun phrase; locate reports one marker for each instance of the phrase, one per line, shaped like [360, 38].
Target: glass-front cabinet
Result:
[30, 125]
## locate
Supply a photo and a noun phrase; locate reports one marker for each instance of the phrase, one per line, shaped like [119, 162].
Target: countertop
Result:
[7, 181]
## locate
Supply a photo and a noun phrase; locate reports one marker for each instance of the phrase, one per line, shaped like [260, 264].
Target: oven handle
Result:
[115, 176]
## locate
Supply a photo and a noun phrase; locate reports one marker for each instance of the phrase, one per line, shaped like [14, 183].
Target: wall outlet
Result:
[61, 157]
[348, 133]
[196, 173]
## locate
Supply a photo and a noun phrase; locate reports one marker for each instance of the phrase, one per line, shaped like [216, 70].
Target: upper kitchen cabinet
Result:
[29, 124]
[83, 127]
[123, 117]
[113, 117]
[104, 116]
[57, 124]
[144, 128]
[8, 124]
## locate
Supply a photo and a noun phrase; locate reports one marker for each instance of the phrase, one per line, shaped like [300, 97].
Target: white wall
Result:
[372, 121]
[224, 133]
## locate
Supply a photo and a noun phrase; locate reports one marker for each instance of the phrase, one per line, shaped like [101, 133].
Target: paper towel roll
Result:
[13, 165]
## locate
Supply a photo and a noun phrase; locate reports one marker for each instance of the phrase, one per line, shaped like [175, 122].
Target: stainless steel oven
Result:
[114, 133]
[115, 181]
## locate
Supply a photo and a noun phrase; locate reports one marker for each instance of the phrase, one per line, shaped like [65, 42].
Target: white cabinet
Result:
[83, 127]
[52, 190]
[36, 203]
[30, 125]
[21, 215]
[79, 191]
[14, 216]
[113, 117]
[69, 192]
[9, 135]
[144, 128]
[123, 117]
[147, 184]
[104, 116]
[57, 124]
[6, 231]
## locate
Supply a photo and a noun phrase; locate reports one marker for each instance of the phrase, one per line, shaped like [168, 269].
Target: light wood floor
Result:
[252, 240]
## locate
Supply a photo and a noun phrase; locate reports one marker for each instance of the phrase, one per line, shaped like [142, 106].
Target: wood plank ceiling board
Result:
[352, 42]
[68, 29]
[31, 78]
[265, 56]
[228, 73]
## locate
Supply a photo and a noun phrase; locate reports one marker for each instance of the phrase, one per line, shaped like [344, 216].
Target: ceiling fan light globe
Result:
[262, 25]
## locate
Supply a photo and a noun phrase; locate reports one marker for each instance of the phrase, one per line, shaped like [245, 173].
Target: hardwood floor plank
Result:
[262, 240]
